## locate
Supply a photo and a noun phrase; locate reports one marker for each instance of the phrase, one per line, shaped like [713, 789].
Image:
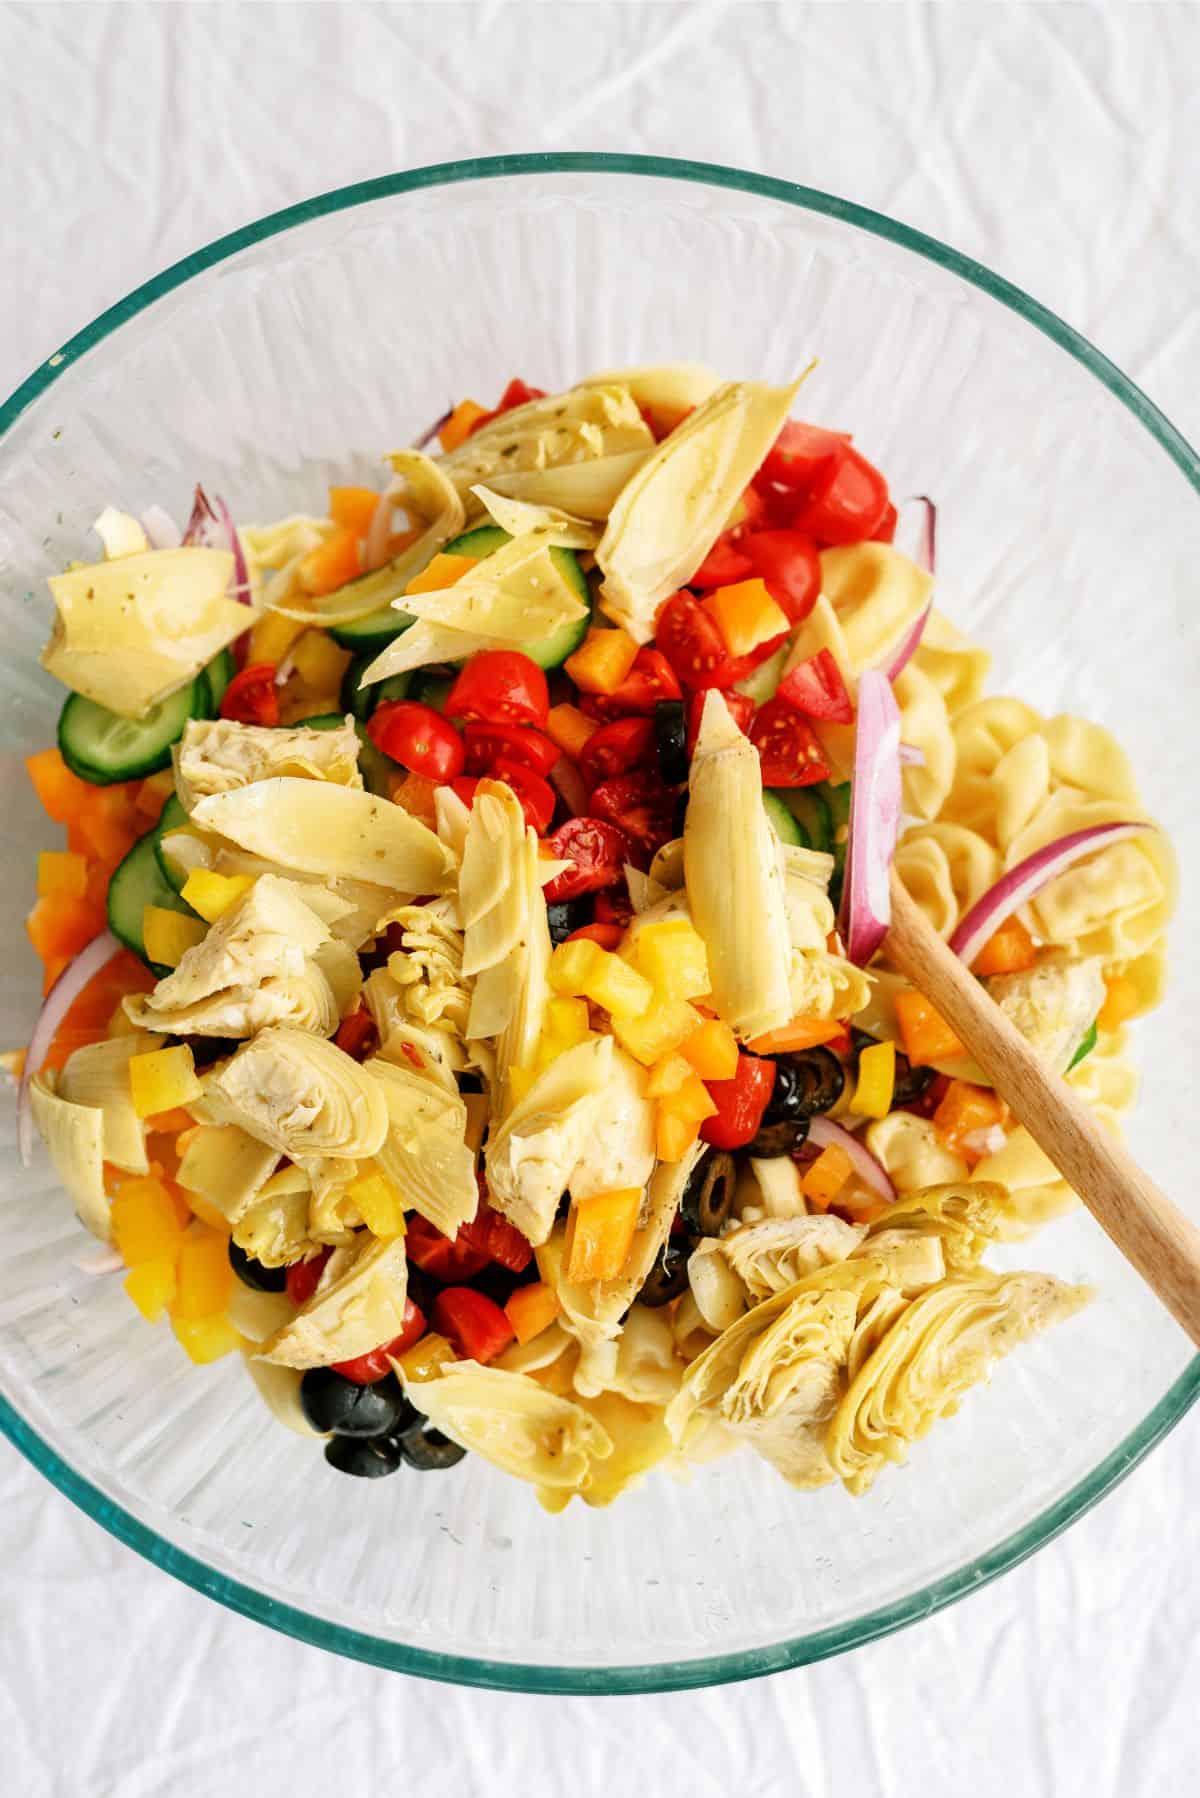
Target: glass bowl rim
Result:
[743, 1663]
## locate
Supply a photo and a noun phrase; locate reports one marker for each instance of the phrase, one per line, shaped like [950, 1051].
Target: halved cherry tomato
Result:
[887, 530]
[437, 1256]
[374, 1365]
[816, 688]
[496, 1238]
[741, 710]
[616, 748]
[465, 787]
[613, 907]
[597, 851]
[251, 696]
[725, 564]
[418, 738]
[801, 455]
[356, 1033]
[848, 505]
[740, 1103]
[484, 742]
[693, 645]
[641, 806]
[517, 393]
[650, 679]
[536, 795]
[787, 746]
[607, 935]
[303, 1276]
[476, 1326]
[789, 564]
[500, 686]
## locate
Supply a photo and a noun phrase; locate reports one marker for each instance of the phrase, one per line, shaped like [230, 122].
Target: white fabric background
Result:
[1058, 143]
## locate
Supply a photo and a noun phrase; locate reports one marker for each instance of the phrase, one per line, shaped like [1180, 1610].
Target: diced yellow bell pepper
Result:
[532, 1309]
[120, 1023]
[319, 662]
[168, 935]
[712, 1050]
[746, 615]
[690, 1100]
[600, 1232]
[206, 1211]
[379, 1204]
[443, 571]
[567, 1024]
[569, 729]
[162, 1079]
[519, 1082]
[549, 1256]
[822, 1182]
[206, 1339]
[668, 1075]
[602, 661]
[477, 1119]
[673, 1135]
[61, 874]
[583, 968]
[876, 1081]
[673, 958]
[457, 428]
[204, 1273]
[212, 894]
[271, 636]
[663, 1027]
[145, 1222]
[426, 1358]
[151, 1286]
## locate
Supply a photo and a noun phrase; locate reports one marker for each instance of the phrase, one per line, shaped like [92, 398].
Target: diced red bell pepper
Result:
[375, 1364]
[496, 1238]
[356, 1033]
[613, 907]
[476, 1326]
[607, 935]
[303, 1277]
[740, 1103]
[437, 1256]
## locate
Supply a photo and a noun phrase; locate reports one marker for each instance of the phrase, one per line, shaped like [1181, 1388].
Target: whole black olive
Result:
[679, 815]
[911, 1082]
[670, 741]
[807, 1083]
[252, 1273]
[566, 915]
[708, 1196]
[332, 1402]
[783, 1137]
[427, 1449]
[370, 1458]
[668, 1277]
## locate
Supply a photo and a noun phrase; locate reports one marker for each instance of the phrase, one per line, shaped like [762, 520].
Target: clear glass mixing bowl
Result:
[298, 350]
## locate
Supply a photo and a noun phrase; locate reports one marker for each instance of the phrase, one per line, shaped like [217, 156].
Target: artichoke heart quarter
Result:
[515, 1423]
[217, 755]
[302, 1095]
[424, 1151]
[358, 1304]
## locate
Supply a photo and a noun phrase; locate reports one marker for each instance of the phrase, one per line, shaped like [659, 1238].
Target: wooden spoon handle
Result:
[1152, 1233]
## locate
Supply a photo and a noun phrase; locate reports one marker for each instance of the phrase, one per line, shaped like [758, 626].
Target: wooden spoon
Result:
[1152, 1233]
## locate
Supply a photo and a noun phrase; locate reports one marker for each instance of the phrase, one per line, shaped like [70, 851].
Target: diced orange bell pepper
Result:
[964, 1110]
[170, 1123]
[151, 1286]
[826, 1177]
[746, 615]
[1009, 951]
[667, 1076]
[712, 1050]
[568, 729]
[353, 508]
[600, 1232]
[673, 1136]
[205, 1275]
[924, 1032]
[61, 875]
[271, 637]
[331, 564]
[602, 661]
[801, 1033]
[153, 793]
[319, 661]
[61, 793]
[415, 794]
[664, 1026]
[690, 1100]
[457, 428]
[1122, 1002]
[532, 1309]
[443, 571]
[145, 1222]
[60, 927]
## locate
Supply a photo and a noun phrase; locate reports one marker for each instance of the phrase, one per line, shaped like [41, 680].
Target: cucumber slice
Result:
[361, 701]
[431, 689]
[219, 673]
[102, 748]
[787, 828]
[172, 817]
[377, 628]
[551, 651]
[323, 721]
[378, 770]
[839, 808]
[810, 808]
[761, 682]
[137, 883]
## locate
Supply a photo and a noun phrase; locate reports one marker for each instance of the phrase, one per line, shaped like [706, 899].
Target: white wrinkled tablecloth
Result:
[1058, 143]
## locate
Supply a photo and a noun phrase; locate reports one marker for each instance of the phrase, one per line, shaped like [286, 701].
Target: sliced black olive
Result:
[807, 1083]
[427, 1449]
[422, 1290]
[499, 1283]
[783, 1137]
[566, 915]
[670, 741]
[370, 1458]
[911, 1082]
[207, 1049]
[679, 815]
[252, 1273]
[668, 1277]
[332, 1402]
[708, 1196]
[469, 1083]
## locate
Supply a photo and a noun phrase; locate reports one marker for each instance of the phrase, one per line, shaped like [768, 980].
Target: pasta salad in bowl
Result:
[467, 996]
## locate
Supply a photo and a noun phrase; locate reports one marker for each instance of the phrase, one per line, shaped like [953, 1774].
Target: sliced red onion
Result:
[57, 1003]
[1019, 885]
[826, 1135]
[375, 545]
[567, 782]
[211, 526]
[894, 664]
[161, 530]
[428, 436]
[917, 526]
[875, 798]
[911, 756]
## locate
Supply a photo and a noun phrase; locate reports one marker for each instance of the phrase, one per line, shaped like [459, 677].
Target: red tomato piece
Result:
[484, 742]
[725, 564]
[801, 455]
[356, 1033]
[650, 679]
[465, 787]
[364, 1370]
[693, 645]
[613, 907]
[848, 505]
[787, 746]
[418, 738]
[517, 393]
[789, 564]
[816, 688]
[438, 1256]
[496, 1238]
[476, 1326]
[641, 806]
[616, 748]
[607, 935]
[887, 530]
[536, 795]
[598, 852]
[740, 1103]
[251, 696]
[500, 686]
[741, 710]
[302, 1277]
